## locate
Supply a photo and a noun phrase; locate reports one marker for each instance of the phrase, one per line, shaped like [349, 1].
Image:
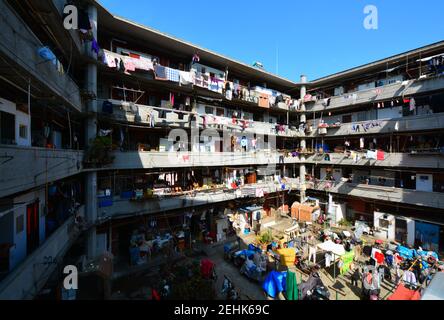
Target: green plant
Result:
[266, 237]
[98, 153]
[345, 223]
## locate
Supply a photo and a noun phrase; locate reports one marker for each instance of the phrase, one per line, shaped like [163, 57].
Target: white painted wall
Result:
[384, 233]
[21, 118]
[390, 113]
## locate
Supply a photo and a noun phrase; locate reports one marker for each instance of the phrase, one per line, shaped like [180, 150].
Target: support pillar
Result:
[303, 143]
[91, 132]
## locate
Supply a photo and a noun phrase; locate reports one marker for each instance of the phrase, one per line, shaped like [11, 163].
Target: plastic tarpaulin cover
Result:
[287, 256]
[405, 252]
[275, 283]
[292, 292]
[347, 259]
[403, 293]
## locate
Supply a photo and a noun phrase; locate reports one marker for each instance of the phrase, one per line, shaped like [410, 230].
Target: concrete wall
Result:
[405, 124]
[22, 168]
[413, 197]
[21, 118]
[390, 160]
[20, 45]
[139, 160]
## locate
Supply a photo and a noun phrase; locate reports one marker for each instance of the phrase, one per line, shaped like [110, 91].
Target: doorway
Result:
[32, 227]
[401, 230]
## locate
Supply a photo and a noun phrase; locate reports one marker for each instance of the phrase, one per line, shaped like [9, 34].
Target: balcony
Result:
[137, 113]
[390, 160]
[387, 92]
[26, 280]
[405, 124]
[397, 195]
[121, 208]
[24, 168]
[148, 160]
[20, 61]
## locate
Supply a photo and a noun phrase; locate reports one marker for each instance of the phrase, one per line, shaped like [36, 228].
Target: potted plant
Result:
[265, 239]
[98, 153]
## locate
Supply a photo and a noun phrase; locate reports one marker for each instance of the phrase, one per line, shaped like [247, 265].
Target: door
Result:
[427, 236]
[32, 227]
[401, 230]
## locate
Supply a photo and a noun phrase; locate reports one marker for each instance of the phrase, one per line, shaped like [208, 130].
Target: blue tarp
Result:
[246, 253]
[425, 254]
[275, 283]
[254, 248]
[406, 253]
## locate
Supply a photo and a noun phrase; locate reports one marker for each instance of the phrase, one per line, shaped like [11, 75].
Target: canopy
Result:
[330, 246]
[403, 293]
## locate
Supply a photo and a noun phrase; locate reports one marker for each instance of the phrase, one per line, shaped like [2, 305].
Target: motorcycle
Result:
[314, 288]
[252, 273]
[229, 290]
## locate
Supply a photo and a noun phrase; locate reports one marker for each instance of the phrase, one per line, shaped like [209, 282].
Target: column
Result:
[303, 117]
[91, 132]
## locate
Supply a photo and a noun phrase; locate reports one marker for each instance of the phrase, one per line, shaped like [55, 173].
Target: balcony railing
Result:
[404, 124]
[410, 160]
[387, 92]
[149, 115]
[24, 168]
[413, 197]
[124, 207]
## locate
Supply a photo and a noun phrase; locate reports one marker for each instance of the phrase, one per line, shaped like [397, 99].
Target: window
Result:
[19, 224]
[383, 223]
[209, 110]
[7, 128]
[220, 112]
[23, 131]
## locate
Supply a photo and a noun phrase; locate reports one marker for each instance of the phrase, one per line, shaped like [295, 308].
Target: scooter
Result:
[318, 293]
[252, 273]
[228, 288]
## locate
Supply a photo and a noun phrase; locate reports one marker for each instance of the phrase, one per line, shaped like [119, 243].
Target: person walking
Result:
[356, 276]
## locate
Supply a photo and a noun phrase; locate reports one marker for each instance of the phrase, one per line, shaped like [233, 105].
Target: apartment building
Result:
[115, 127]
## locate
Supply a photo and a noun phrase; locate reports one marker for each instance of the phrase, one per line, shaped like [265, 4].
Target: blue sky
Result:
[314, 37]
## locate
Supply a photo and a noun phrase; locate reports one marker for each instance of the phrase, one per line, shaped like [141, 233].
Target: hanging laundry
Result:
[47, 54]
[185, 78]
[129, 64]
[371, 155]
[172, 99]
[160, 72]
[380, 155]
[95, 46]
[361, 143]
[172, 74]
[195, 58]
[412, 104]
[142, 63]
